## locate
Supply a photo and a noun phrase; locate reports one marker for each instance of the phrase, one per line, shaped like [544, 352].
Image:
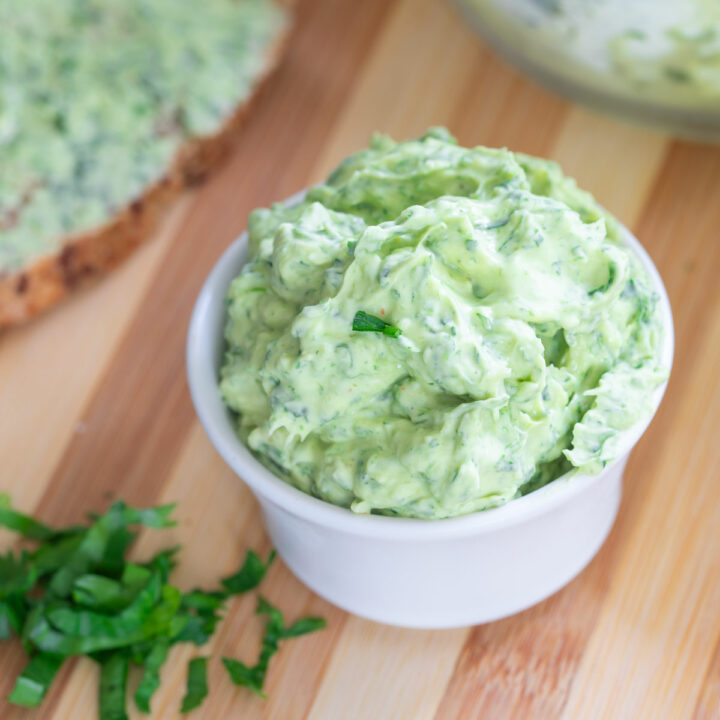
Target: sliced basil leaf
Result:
[250, 677]
[155, 517]
[198, 629]
[34, 681]
[77, 595]
[250, 575]
[135, 577]
[113, 558]
[163, 562]
[253, 678]
[17, 575]
[52, 556]
[204, 601]
[196, 688]
[87, 623]
[304, 626]
[150, 681]
[364, 322]
[62, 629]
[202, 610]
[275, 624]
[96, 592]
[100, 593]
[113, 684]
[89, 553]
[13, 611]
[22, 524]
[97, 542]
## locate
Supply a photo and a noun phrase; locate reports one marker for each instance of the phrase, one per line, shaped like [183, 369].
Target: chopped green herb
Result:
[113, 681]
[36, 678]
[76, 594]
[17, 576]
[244, 676]
[150, 681]
[253, 677]
[96, 547]
[364, 322]
[605, 286]
[200, 625]
[22, 524]
[49, 558]
[196, 688]
[677, 74]
[97, 592]
[12, 617]
[71, 631]
[250, 574]
[303, 626]
[164, 562]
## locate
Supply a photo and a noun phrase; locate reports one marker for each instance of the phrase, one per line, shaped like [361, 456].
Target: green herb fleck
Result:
[253, 677]
[150, 680]
[197, 688]
[364, 322]
[22, 524]
[250, 574]
[676, 74]
[113, 681]
[36, 678]
[605, 286]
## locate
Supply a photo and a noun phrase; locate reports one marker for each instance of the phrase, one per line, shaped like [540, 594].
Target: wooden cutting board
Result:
[95, 405]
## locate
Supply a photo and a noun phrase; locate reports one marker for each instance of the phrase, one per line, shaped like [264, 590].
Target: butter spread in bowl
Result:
[438, 330]
[651, 61]
[663, 51]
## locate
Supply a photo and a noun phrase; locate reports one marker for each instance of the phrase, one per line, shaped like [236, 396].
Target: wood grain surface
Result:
[94, 405]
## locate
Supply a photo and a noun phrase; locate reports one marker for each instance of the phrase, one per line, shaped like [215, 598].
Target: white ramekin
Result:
[403, 571]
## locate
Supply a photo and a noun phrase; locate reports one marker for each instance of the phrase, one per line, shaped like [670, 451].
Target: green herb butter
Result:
[662, 51]
[438, 330]
[96, 96]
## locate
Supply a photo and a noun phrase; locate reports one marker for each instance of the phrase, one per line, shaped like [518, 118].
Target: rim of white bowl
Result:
[204, 349]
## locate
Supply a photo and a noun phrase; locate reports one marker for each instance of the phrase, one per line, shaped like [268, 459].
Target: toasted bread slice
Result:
[84, 256]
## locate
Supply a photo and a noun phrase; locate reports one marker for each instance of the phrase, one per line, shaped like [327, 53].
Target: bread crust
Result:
[88, 255]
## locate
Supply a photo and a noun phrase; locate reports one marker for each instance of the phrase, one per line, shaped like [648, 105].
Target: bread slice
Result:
[83, 256]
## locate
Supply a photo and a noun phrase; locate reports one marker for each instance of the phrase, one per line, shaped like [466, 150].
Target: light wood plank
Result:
[412, 79]
[656, 635]
[617, 163]
[708, 707]
[498, 107]
[217, 510]
[58, 361]
[379, 671]
[655, 638]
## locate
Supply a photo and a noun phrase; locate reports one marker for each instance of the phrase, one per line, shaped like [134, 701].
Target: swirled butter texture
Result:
[523, 342]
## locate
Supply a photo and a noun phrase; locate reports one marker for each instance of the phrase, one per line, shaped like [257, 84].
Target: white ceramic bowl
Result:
[554, 63]
[404, 571]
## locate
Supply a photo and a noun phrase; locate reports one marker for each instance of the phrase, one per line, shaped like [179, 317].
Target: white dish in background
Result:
[567, 46]
[405, 571]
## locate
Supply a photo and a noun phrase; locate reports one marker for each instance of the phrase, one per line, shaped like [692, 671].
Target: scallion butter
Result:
[438, 330]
